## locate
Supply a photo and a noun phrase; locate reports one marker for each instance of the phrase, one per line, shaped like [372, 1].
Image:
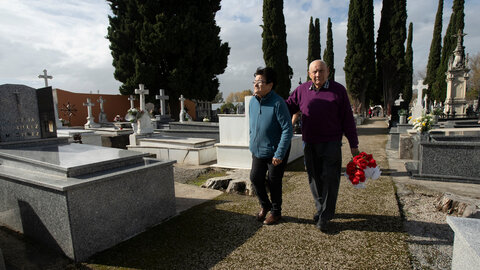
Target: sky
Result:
[68, 39]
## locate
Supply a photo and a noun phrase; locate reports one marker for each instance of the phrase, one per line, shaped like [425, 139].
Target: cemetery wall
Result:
[114, 104]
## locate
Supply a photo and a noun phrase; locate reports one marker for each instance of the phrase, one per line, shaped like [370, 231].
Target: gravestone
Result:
[131, 99]
[457, 76]
[233, 149]
[182, 109]
[90, 118]
[102, 117]
[77, 199]
[418, 109]
[25, 113]
[144, 124]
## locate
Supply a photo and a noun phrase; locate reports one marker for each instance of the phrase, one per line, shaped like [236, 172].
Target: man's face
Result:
[318, 72]
[261, 88]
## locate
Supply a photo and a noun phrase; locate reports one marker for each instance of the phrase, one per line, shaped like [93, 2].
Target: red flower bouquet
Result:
[361, 168]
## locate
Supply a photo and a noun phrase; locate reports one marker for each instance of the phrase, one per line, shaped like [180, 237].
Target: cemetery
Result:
[131, 180]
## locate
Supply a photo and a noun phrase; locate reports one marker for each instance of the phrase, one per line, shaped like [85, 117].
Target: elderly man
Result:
[326, 117]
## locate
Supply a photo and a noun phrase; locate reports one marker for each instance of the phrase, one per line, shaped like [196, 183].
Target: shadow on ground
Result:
[198, 239]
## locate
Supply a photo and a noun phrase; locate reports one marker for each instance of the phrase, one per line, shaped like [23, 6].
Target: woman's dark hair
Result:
[268, 73]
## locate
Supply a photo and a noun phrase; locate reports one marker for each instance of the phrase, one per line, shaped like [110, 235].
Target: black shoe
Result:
[322, 225]
[316, 217]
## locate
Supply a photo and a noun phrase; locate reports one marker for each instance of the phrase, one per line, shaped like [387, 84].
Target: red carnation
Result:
[372, 163]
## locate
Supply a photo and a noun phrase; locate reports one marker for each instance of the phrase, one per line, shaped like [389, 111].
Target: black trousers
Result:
[324, 164]
[260, 167]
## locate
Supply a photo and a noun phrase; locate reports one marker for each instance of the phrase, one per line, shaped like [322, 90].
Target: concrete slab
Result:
[188, 196]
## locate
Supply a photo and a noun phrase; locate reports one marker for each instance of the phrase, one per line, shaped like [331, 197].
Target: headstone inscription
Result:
[25, 113]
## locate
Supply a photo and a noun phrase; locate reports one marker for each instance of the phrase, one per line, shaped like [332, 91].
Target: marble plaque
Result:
[18, 113]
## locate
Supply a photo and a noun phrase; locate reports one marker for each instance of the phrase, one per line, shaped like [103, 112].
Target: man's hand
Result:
[354, 151]
[276, 161]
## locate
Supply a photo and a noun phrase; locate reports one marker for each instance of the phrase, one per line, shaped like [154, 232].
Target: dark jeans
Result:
[260, 166]
[324, 164]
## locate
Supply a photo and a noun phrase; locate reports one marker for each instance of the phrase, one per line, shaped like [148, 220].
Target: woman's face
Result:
[261, 88]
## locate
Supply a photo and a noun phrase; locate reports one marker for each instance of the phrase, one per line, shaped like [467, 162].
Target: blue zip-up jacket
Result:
[270, 126]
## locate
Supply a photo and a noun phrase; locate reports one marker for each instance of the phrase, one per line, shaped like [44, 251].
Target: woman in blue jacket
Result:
[270, 135]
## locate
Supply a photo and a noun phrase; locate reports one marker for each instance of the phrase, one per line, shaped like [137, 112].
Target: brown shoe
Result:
[272, 219]
[262, 214]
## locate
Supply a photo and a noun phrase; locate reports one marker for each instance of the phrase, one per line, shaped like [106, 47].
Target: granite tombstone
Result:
[74, 198]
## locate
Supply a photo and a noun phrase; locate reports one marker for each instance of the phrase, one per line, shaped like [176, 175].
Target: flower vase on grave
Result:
[424, 136]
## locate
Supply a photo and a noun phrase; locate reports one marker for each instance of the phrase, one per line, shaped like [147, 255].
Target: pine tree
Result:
[449, 43]
[360, 59]
[435, 51]
[274, 45]
[171, 46]
[328, 55]
[391, 50]
[407, 91]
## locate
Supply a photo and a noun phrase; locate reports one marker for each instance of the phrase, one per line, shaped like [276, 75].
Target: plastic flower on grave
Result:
[362, 167]
[133, 115]
[118, 118]
[423, 123]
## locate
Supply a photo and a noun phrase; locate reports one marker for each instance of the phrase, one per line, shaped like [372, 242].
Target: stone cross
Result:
[101, 101]
[89, 105]
[132, 98]
[142, 92]
[45, 77]
[162, 97]
[419, 87]
[182, 108]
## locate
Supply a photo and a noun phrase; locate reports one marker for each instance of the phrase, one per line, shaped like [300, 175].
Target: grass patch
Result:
[210, 173]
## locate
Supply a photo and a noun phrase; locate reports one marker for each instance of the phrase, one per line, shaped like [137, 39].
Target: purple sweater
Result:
[326, 113]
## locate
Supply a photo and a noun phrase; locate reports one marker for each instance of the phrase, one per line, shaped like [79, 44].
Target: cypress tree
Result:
[449, 43]
[328, 55]
[274, 45]
[407, 91]
[391, 50]
[435, 51]
[360, 59]
[313, 43]
[172, 46]
[368, 25]
[317, 49]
